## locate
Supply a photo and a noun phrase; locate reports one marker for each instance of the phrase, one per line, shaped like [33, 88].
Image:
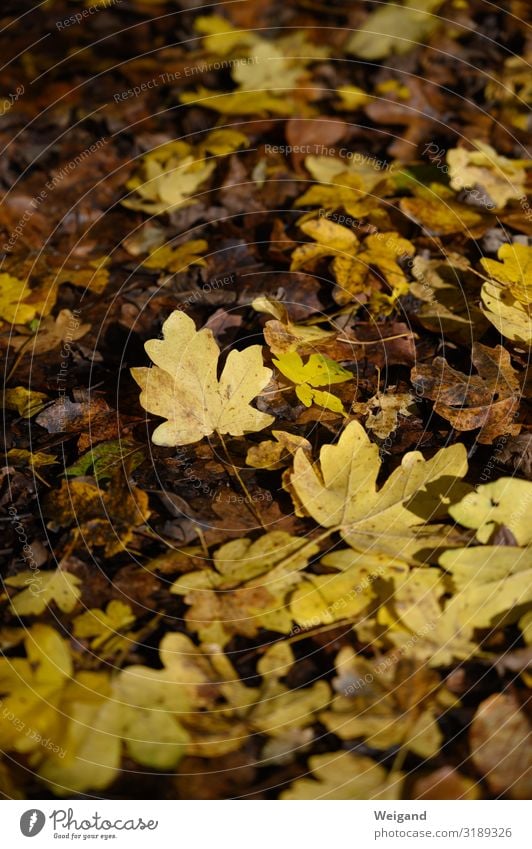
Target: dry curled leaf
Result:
[489, 400]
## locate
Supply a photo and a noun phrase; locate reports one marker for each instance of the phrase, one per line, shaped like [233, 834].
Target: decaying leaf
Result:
[383, 410]
[107, 458]
[387, 704]
[500, 739]
[276, 453]
[184, 389]
[511, 318]
[489, 400]
[18, 303]
[177, 259]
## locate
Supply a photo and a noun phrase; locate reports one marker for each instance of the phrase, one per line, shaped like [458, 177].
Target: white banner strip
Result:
[263, 824]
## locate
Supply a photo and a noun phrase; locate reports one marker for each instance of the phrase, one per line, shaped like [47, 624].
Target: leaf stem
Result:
[243, 485]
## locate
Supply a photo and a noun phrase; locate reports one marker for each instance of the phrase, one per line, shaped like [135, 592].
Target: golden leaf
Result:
[184, 389]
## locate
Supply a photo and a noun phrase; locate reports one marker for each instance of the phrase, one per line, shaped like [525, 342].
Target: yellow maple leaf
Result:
[43, 588]
[254, 578]
[343, 493]
[514, 270]
[345, 775]
[395, 29]
[169, 177]
[241, 102]
[184, 389]
[502, 179]
[18, 304]
[319, 370]
[26, 402]
[512, 318]
[220, 36]
[177, 259]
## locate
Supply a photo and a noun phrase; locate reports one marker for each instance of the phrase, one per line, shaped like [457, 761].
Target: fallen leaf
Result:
[448, 293]
[343, 775]
[319, 370]
[177, 259]
[18, 303]
[489, 400]
[500, 740]
[382, 411]
[444, 216]
[104, 459]
[387, 704]
[514, 270]
[501, 178]
[395, 29]
[59, 587]
[101, 518]
[169, 177]
[276, 453]
[105, 627]
[26, 402]
[244, 590]
[445, 783]
[503, 502]
[343, 492]
[51, 333]
[507, 313]
[184, 389]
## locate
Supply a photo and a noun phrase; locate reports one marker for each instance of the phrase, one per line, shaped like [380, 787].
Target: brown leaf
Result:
[501, 746]
[445, 783]
[489, 400]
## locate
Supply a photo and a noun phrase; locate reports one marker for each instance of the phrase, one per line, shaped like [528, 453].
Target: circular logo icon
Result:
[32, 822]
